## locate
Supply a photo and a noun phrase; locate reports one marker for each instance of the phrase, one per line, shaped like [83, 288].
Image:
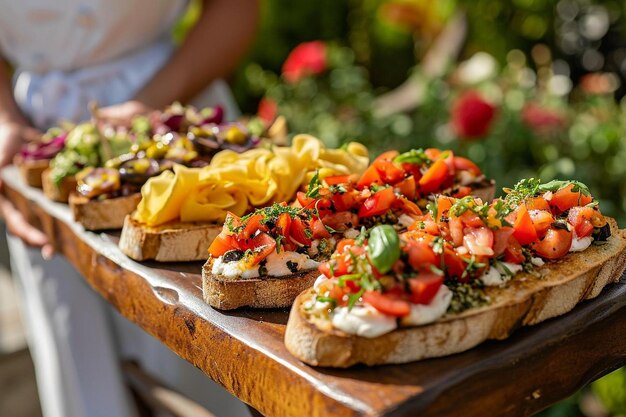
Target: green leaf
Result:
[556, 185]
[314, 186]
[383, 247]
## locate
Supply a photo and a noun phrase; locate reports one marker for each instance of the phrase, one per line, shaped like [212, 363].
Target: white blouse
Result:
[69, 52]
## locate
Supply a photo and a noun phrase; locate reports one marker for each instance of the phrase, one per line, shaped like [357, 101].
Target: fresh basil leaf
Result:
[414, 156]
[556, 185]
[383, 247]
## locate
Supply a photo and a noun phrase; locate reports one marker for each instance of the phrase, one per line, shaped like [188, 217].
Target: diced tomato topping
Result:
[426, 224]
[352, 286]
[525, 232]
[454, 265]
[369, 177]
[305, 202]
[318, 229]
[471, 219]
[407, 207]
[324, 269]
[378, 204]
[421, 255]
[346, 201]
[455, 226]
[542, 220]
[339, 179]
[389, 172]
[386, 156]
[283, 224]
[443, 206]
[584, 219]
[343, 244]
[297, 231]
[565, 198]
[407, 187]
[264, 245]
[341, 221]
[537, 203]
[501, 239]
[387, 304]
[478, 240]
[434, 177]
[463, 191]
[424, 287]
[251, 226]
[513, 252]
[222, 244]
[464, 164]
[432, 153]
[555, 244]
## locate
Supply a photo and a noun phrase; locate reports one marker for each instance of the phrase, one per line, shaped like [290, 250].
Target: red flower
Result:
[541, 120]
[308, 58]
[267, 110]
[472, 115]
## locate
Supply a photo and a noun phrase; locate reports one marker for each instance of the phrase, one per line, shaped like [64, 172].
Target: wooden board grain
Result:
[243, 350]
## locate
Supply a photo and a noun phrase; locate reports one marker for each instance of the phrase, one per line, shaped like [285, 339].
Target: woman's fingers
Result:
[18, 226]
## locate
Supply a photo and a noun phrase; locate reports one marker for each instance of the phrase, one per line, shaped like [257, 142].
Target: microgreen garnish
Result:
[315, 184]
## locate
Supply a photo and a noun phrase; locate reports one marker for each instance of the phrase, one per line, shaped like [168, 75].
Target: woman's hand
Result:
[122, 114]
[12, 135]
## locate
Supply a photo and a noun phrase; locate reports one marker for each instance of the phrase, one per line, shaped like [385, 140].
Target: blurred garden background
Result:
[523, 87]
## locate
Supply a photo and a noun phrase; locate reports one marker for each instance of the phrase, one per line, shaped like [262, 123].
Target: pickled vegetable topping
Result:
[50, 145]
[93, 182]
[209, 138]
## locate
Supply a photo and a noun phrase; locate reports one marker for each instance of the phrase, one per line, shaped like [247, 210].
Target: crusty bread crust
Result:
[102, 214]
[31, 170]
[526, 300]
[268, 292]
[171, 242]
[60, 193]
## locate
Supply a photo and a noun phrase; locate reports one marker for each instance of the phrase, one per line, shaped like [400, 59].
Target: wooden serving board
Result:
[244, 350]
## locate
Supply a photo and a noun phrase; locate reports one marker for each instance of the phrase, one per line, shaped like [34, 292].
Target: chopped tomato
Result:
[407, 187]
[448, 158]
[337, 293]
[555, 244]
[263, 245]
[297, 231]
[537, 203]
[352, 286]
[412, 170]
[339, 179]
[386, 156]
[584, 219]
[369, 177]
[305, 202]
[432, 153]
[464, 164]
[443, 206]
[378, 204]
[251, 226]
[424, 287]
[222, 244]
[387, 304]
[341, 221]
[389, 172]
[542, 220]
[283, 224]
[343, 244]
[421, 255]
[478, 240]
[501, 239]
[407, 207]
[471, 219]
[346, 201]
[463, 191]
[454, 265]
[434, 177]
[426, 224]
[324, 269]
[525, 232]
[455, 226]
[336, 267]
[318, 229]
[565, 198]
[513, 252]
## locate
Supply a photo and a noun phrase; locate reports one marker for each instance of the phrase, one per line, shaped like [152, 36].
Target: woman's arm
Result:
[211, 50]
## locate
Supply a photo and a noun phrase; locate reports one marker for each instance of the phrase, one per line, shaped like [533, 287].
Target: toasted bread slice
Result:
[525, 300]
[171, 242]
[266, 292]
[31, 170]
[60, 193]
[102, 214]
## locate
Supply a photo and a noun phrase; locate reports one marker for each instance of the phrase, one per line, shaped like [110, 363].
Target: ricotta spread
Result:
[580, 243]
[363, 321]
[500, 273]
[277, 265]
[428, 313]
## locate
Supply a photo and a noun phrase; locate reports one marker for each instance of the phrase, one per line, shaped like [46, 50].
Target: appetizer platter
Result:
[245, 352]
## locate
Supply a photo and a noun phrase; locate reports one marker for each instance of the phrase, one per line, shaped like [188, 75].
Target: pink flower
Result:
[541, 120]
[472, 115]
[308, 58]
[267, 110]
